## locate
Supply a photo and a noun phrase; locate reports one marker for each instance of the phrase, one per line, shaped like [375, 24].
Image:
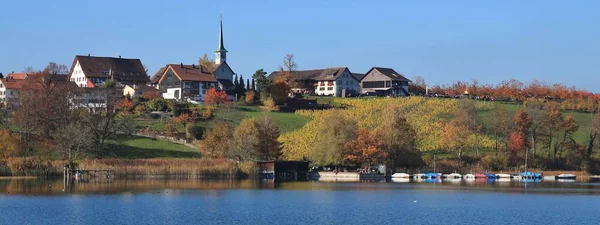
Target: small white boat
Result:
[503, 175]
[418, 176]
[452, 176]
[400, 175]
[504, 179]
[516, 177]
[469, 176]
[566, 176]
[400, 180]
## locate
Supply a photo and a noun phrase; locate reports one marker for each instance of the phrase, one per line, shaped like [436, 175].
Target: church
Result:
[183, 81]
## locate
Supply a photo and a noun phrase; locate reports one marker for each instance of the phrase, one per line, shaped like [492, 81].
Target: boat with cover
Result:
[469, 176]
[531, 176]
[490, 176]
[431, 175]
[566, 176]
[452, 176]
[503, 176]
[480, 176]
[400, 175]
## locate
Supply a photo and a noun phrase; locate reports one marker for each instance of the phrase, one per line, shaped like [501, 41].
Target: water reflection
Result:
[175, 186]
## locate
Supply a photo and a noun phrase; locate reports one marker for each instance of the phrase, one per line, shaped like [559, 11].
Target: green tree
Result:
[262, 82]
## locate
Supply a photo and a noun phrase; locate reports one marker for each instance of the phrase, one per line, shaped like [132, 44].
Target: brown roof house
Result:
[179, 81]
[384, 82]
[337, 81]
[14, 83]
[93, 71]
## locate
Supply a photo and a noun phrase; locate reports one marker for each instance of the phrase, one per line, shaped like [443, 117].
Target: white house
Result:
[180, 81]
[92, 71]
[337, 82]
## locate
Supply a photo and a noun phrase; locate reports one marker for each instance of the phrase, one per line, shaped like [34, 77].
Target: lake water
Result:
[194, 201]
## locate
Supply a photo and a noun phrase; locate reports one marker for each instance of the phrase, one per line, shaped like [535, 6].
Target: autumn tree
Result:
[217, 142]
[500, 125]
[124, 105]
[151, 95]
[9, 143]
[207, 63]
[399, 139]
[215, 97]
[246, 140]
[366, 149]
[594, 136]
[250, 98]
[460, 133]
[268, 146]
[73, 141]
[535, 110]
[551, 125]
[334, 132]
[569, 127]
[279, 91]
[419, 87]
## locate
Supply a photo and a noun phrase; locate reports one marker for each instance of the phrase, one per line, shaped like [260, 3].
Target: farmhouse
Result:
[337, 81]
[93, 71]
[14, 83]
[384, 82]
[179, 81]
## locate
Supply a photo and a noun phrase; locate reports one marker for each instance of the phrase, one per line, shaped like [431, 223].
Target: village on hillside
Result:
[337, 119]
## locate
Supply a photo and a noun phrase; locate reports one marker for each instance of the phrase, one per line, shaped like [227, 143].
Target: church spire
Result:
[220, 53]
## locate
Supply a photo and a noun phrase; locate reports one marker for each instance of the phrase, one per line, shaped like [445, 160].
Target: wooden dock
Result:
[78, 174]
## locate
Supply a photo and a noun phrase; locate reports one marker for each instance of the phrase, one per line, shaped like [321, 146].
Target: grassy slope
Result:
[141, 147]
[584, 120]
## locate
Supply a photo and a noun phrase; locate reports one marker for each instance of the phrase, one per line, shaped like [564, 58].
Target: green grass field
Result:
[584, 120]
[136, 147]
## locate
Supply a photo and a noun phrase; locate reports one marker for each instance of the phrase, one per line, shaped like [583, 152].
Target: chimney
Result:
[119, 57]
[89, 55]
[193, 66]
[181, 65]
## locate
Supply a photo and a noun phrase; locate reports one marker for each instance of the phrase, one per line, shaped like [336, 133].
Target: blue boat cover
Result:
[530, 174]
[491, 176]
[430, 174]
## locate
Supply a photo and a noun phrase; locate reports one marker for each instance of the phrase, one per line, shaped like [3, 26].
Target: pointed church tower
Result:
[221, 52]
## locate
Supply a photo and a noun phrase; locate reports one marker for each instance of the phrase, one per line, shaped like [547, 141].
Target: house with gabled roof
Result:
[336, 81]
[14, 83]
[179, 81]
[93, 71]
[384, 82]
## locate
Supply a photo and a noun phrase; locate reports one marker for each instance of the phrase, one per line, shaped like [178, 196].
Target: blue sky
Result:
[443, 41]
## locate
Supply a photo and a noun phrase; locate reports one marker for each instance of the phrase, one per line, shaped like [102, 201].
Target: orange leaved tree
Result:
[366, 149]
[215, 97]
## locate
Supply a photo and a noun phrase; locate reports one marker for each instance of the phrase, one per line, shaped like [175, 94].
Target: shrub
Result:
[190, 130]
[250, 98]
[140, 109]
[170, 128]
[207, 114]
[494, 162]
[157, 104]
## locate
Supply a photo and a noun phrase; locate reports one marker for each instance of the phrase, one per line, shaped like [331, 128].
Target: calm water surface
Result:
[193, 201]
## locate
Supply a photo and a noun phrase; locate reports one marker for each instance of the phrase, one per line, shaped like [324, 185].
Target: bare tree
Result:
[207, 63]
[73, 141]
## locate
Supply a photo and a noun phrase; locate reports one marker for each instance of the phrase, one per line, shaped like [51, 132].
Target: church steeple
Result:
[221, 52]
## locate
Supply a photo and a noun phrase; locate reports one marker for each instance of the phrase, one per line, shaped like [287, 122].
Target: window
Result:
[321, 88]
[203, 92]
[0, 85]
[373, 84]
[330, 88]
[388, 84]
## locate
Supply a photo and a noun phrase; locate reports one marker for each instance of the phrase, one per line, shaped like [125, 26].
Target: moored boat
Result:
[503, 176]
[566, 176]
[431, 175]
[452, 176]
[469, 176]
[490, 176]
[400, 175]
[480, 176]
[531, 176]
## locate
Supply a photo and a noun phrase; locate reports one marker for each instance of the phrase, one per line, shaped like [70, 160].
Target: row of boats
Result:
[490, 176]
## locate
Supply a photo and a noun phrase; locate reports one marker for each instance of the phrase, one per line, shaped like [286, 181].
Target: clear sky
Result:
[443, 41]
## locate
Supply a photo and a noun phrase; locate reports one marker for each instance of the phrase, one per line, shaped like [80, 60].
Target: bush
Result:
[207, 114]
[494, 162]
[250, 98]
[140, 109]
[171, 129]
[190, 130]
[158, 104]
